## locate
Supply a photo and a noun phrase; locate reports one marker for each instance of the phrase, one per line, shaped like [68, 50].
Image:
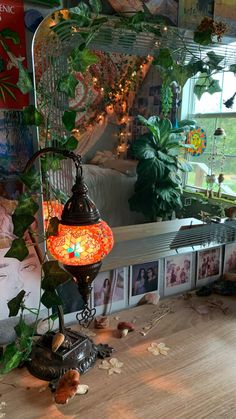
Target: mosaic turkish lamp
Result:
[83, 239]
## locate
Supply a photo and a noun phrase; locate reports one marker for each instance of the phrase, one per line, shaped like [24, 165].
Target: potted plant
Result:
[158, 187]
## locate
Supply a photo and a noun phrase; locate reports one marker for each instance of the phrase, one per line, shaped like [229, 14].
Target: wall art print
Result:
[225, 11]
[230, 258]
[110, 291]
[144, 278]
[209, 265]
[12, 55]
[178, 274]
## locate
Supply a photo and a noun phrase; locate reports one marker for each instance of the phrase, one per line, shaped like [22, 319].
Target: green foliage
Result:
[24, 83]
[80, 60]
[32, 180]
[203, 38]
[158, 186]
[68, 120]
[31, 116]
[7, 33]
[67, 84]
[18, 250]
[54, 275]
[15, 303]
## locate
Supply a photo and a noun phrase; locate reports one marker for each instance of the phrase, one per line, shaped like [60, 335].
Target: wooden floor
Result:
[197, 379]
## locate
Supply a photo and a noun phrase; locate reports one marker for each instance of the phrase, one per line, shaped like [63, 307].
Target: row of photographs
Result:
[123, 287]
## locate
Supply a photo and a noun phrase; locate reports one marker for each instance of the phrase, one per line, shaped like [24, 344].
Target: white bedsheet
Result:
[110, 191]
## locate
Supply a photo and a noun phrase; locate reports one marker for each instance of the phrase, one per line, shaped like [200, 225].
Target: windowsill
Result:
[224, 200]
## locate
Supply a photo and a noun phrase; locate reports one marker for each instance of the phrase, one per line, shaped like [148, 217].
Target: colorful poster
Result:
[12, 55]
[191, 12]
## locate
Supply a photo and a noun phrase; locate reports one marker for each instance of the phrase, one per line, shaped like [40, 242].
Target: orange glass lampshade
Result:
[81, 245]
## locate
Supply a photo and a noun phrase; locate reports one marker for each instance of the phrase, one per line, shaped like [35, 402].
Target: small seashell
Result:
[150, 298]
[82, 389]
[57, 341]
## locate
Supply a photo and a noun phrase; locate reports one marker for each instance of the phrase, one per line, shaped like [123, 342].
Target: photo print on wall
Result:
[230, 258]
[178, 274]
[209, 265]
[143, 279]
[110, 291]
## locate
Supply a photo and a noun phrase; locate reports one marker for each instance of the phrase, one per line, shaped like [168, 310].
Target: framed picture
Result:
[209, 265]
[230, 258]
[143, 279]
[110, 291]
[224, 11]
[178, 273]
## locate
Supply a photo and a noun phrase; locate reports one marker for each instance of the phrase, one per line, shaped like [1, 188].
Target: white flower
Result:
[113, 366]
[158, 348]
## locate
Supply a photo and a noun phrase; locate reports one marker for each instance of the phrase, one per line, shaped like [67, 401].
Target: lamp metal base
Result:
[80, 354]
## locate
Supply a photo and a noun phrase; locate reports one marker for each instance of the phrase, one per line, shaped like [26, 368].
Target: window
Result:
[211, 113]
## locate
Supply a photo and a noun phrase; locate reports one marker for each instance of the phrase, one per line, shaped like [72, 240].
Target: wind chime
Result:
[217, 151]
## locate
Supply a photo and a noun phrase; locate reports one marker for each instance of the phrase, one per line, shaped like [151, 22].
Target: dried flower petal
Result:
[158, 348]
[115, 363]
[104, 365]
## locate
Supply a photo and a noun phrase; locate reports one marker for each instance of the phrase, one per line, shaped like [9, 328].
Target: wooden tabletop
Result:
[197, 379]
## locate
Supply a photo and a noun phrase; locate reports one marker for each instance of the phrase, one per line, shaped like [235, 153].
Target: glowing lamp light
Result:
[81, 245]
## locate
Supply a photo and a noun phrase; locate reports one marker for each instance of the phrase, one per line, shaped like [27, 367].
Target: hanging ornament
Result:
[197, 139]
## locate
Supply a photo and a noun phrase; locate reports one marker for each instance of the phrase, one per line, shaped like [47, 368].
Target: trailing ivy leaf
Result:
[199, 90]
[54, 275]
[23, 330]
[214, 59]
[15, 303]
[50, 299]
[26, 205]
[31, 116]
[202, 38]
[68, 120]
[21, 223]
[67, 84]
[214, 87]
[152, 29]
[51, 163]
[32, 180]
[71, 144]
[60, 195]
[81, 60]
[164, 58]
[24, 83]
[11, 358]
[232, 68]
[18, 250]
[53, 226]
[10, 34]
[96, 6]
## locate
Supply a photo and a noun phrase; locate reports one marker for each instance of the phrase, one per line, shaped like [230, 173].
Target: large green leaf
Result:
[54, 275]
[50, 299]
[67, 84]
[152, 124]
[203, 38]
[81, 60]
[51, 163]
[165, 129]
[165, 157]
[23, 330]
[143, 148]
[18, 250]
[21, 223]
[15, 303]
[70, 143]
[150, 170]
